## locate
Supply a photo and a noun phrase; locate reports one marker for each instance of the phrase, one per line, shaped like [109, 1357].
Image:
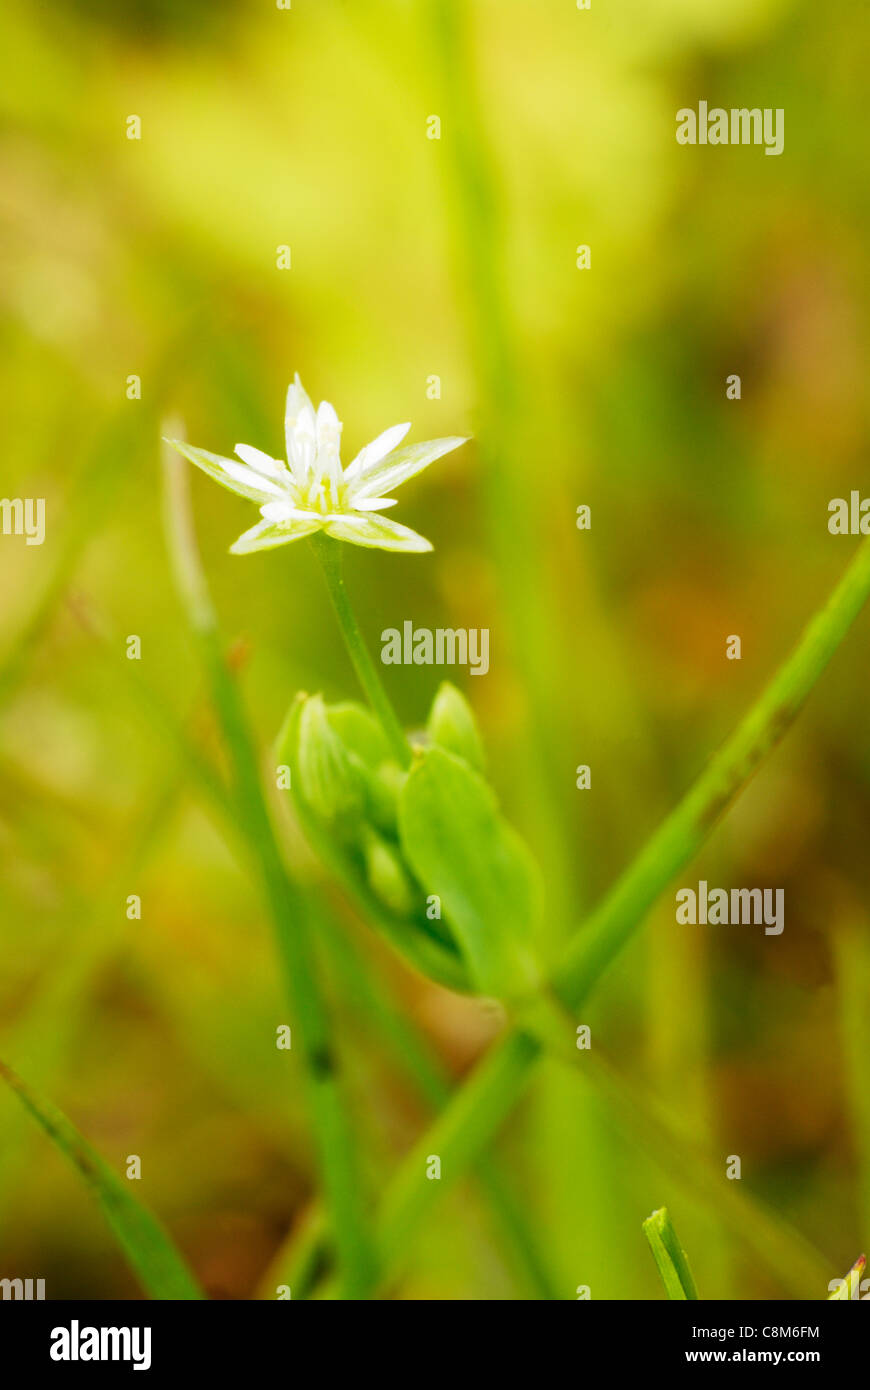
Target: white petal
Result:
[285, 511]
[263, 463]
[374, 504]
[298, 408]
[372, 454]
[303, 448]
[376, 531]
[328, 443]
[268, 534]
[403, 464]
[327, 417]
[235, 476]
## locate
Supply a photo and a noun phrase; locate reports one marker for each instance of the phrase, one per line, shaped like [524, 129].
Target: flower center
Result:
[324, 495]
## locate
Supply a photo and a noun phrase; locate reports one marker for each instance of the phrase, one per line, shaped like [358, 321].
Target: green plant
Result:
[416, 831]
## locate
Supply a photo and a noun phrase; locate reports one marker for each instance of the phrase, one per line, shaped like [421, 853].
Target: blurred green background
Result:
[414, 258]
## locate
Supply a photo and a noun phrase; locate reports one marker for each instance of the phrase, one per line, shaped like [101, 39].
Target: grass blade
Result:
[669, 1255]
[161, 1269]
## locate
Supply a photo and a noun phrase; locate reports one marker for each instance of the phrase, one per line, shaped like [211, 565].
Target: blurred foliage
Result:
[307, 127]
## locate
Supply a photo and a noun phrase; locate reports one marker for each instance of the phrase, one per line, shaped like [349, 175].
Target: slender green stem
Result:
[684, 831]
[458, 1137]
[288, 907]
[329, 553]
[483, 1102]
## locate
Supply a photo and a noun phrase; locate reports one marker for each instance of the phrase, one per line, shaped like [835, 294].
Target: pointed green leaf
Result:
[461, 848]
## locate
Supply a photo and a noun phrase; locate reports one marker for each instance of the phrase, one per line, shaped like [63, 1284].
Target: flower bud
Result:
[452, 726]
[328, 780]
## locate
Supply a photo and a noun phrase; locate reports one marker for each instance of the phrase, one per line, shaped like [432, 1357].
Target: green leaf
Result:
[146, 1244]
[462, 849]
[452, 726]
[669, 1255]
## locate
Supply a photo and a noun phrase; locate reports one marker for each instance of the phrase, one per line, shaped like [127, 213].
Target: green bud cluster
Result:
[426, 847]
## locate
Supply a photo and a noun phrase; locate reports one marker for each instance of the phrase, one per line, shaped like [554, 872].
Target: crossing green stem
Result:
[478, 1108]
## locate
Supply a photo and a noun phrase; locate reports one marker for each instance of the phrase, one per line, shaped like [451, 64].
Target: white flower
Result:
[312, 492]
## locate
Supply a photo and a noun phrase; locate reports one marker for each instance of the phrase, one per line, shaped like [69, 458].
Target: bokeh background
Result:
[455, 258]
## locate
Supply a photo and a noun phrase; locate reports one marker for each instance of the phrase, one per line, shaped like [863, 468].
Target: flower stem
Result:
[329, 553]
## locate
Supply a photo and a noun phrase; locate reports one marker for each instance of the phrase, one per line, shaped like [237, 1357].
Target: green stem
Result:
[684, 831]
[330, 554]
[483, 1102]
[288, 909]
[458, 1137]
